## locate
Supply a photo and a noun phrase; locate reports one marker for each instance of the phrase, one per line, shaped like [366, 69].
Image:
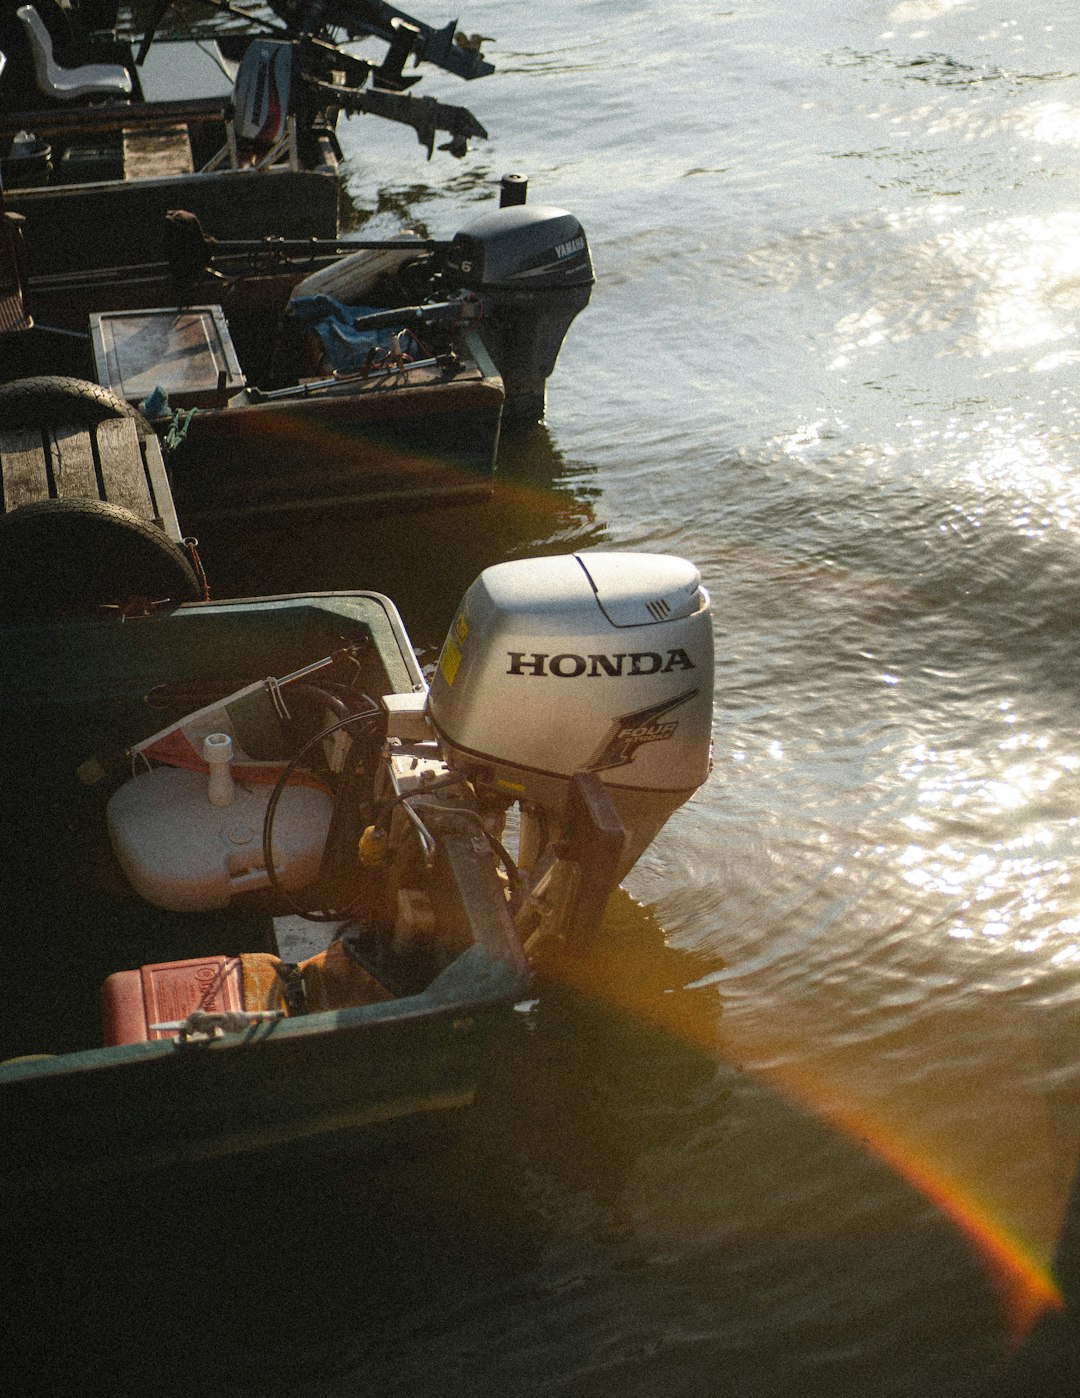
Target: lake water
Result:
[815, 1133]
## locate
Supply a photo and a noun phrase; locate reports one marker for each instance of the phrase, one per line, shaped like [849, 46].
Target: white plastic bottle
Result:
[218, 752]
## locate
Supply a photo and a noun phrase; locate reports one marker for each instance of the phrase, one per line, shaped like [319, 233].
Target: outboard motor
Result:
[590, 662]
[531, 265]
[263, 95]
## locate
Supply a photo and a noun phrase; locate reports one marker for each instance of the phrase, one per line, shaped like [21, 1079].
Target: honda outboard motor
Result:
[589, 662]
[531, 265]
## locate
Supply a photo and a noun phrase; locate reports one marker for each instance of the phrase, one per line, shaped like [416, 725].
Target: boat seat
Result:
[69, 84]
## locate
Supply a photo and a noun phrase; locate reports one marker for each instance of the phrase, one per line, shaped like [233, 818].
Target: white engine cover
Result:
[599, 661]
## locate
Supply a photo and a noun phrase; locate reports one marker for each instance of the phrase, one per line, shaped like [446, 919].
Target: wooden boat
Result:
[239, 128]
[256, 911]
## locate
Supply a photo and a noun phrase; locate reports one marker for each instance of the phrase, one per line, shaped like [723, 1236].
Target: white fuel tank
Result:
[183, 852]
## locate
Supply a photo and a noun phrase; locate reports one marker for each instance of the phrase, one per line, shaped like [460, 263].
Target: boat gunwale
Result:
[509, 985]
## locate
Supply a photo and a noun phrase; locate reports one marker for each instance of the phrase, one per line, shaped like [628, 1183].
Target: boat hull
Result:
[392, 441]
[121, 222]
[390, 445]
[368, 1074]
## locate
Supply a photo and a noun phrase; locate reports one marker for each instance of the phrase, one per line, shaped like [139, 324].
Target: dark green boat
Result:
[262, 885]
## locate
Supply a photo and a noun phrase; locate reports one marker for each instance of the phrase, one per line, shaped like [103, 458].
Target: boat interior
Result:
[80, 694]
[195, 324]
[106, 117]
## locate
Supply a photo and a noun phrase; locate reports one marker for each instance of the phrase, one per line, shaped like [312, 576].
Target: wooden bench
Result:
[107, 462]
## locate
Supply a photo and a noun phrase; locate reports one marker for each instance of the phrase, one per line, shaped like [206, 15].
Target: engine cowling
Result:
[598, 662]
[531, 265]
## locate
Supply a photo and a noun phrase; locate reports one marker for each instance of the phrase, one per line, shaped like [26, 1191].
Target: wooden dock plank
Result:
[122, 466]
[22, 463]
[164, 509]
[156, 153]
[132, 472]
[72, 456]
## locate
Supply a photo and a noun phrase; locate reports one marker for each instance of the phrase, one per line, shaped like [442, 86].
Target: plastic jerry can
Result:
[184, 853]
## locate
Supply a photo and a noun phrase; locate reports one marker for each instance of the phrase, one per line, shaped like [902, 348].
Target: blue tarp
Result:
[346, 349]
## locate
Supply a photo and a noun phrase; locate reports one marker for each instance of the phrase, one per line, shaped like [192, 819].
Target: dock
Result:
[108, 462]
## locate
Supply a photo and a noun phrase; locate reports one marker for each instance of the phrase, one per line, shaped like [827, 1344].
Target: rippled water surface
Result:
[814, 1132]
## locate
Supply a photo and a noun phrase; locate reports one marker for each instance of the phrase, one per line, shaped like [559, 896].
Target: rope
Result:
[208, 1024]
[178, 427]
[192, 546]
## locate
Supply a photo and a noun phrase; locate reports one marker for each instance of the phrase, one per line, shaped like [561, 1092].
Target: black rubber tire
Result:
[76, 556]
[52, 399]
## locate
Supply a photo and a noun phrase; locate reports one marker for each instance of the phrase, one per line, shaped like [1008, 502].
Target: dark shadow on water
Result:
[424, 559]
[312, 1278]
[1048, 1362]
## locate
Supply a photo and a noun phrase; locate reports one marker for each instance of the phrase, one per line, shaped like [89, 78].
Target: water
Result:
[815, 1131]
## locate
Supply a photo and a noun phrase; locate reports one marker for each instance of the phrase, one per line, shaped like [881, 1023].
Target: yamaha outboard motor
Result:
[531, 265]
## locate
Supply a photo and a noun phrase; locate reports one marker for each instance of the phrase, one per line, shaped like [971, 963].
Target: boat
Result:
[267, 884]
[100, 138]
[299, 374]
[291, 369]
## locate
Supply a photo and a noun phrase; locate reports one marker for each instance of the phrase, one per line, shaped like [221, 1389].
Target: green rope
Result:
[178, 428]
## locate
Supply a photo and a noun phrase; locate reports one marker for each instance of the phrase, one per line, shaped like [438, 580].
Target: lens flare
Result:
[1023, 1283]
[632, 977]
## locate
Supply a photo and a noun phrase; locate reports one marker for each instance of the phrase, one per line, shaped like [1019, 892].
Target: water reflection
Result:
[891, 881]
[393, 208]
[1054, 123]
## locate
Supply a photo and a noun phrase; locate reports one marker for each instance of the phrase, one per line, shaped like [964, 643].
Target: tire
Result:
[76, 556]
[52, 399]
